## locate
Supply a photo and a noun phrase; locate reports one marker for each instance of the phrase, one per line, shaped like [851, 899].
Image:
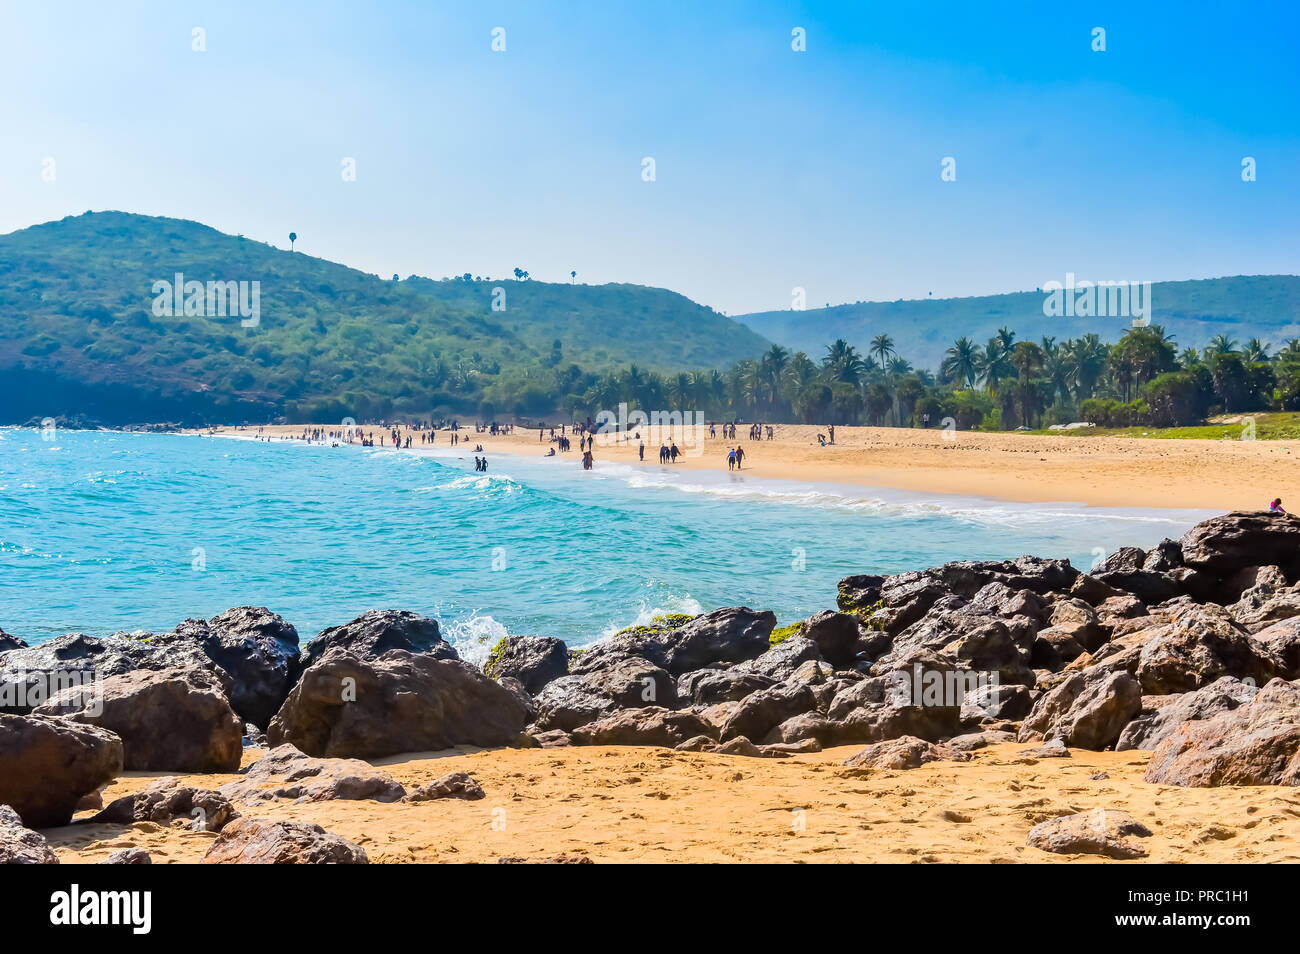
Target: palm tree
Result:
[293, 237]
[882, 348]
[573, 277]
[843, 363]
[1220, 344]
[961, 362]
[1256, 351]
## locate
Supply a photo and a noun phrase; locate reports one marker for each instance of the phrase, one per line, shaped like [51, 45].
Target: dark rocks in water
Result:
[1088, 710]
[165, 800]
[169, 720]
[375, 632]
[19, 845]
[258, 648]
[1224, 545]
[1099, 832]
[729, 635]
[1254, 744]
[533, 660]
[460, 785]
[287, 772]
[346, 706]
[652, 725]
[256, 841]
[8, 642]
[48, 764]
[1168, 713]
[620, 683]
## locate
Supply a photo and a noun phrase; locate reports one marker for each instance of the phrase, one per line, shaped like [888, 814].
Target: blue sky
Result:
[774, 168]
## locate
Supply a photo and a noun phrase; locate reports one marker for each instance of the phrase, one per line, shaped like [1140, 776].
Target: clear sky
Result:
[774, 168]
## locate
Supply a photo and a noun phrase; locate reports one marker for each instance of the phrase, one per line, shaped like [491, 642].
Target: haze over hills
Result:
[1245, 306]
[80, 336]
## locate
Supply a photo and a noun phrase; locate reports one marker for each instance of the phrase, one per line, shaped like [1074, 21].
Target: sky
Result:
[774, 168]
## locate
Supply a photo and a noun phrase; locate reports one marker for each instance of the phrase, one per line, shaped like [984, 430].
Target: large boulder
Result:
[1127, 569]
[1225, 545]
[258, 648]
[759, 713]
[256, 841]
[20, 845]
[169, 720]
[707, 687]
[732, 634]
[905, 752]
[1282, 642]
[781, 661]
[885, 707]
[1162, 716]
[1253, 744]
[165, 800]
[1199, 645]
[30, 677]
[533, 660]
[345, 706]
[375, 632]
[1098, 832]
[1088, 710]
[837, 635]
[579, 698]
[47, 765]
[8, 642]
[652, 725]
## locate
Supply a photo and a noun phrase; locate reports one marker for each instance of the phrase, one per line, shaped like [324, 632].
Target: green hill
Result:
[79, 335]
[1247, 306]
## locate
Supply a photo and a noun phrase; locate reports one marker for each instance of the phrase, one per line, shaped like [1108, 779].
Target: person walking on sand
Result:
[642, 450]
[740, 456]
[731, 459]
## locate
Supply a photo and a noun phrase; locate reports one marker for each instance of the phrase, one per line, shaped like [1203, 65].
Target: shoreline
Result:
[1103, 472]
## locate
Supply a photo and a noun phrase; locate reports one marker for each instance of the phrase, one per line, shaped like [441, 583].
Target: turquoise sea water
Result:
[103, 531]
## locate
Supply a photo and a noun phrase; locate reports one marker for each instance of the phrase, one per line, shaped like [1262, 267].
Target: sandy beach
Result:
[1099, 471]
[652, 805]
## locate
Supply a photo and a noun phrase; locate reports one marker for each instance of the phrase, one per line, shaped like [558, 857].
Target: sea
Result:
[104, 531]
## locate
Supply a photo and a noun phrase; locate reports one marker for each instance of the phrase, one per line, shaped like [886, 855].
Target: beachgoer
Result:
[1276, 506]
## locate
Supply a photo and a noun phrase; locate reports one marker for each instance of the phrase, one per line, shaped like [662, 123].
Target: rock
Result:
[1040, 576]
[1260, 609]
[1282, 642]
[1077, 619]
[460, 785]
[169, 720]
[875, 709]
[253, 736]
[806, 727]
[128, 856]
[1223, 545]
[8, 642]
[905, 752]
[165, 800]
[1099, 832]
[1094, 592]
[966, 641]
[732, 635]
[1253, 744]
[978, 740]
[990, 701]
[857, 593]
[781, 661]
[259, 650]
[552, 739]
[1001, 601]
[838, 636]
[761, 712]
[1126, 569]
[652, 725]
[345, 706]
[578, 698]
[533, 660]
[556, 860]
[47, 765]
[255, 841]
[1087, 710]
[697, 743]
[1110, 611]
[782, 749]
[1054, 749]
[31, 677]
[706, 687]
[1054, 648]
[287, 772]
[375, 632]
[1155, 725]
[1199, 645]
[20, 845]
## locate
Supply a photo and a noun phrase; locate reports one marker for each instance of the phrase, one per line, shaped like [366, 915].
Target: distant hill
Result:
[1262, 306]
[600, 326]
[79, 335]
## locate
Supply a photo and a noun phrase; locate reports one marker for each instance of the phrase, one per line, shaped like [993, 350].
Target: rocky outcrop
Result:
[1199, 645]
[1098, 832]
[781, 661]
[706, 687]
[345, 706]
[652, 725]
[874, 709]
[597, 691]
[8, 642]
[20, 845]
[1224, 545]
[838, 636]
[287, 772]
[254, 841]
[1162, 716]
[375, 632]
[48, 764]
[1254, 744]
[533, 660]
[166, 800]
[730, 635]
[1088, 710]
[759, 713]
[169, 720]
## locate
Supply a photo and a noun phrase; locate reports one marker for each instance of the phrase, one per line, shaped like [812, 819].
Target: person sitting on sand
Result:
[1276, 506]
